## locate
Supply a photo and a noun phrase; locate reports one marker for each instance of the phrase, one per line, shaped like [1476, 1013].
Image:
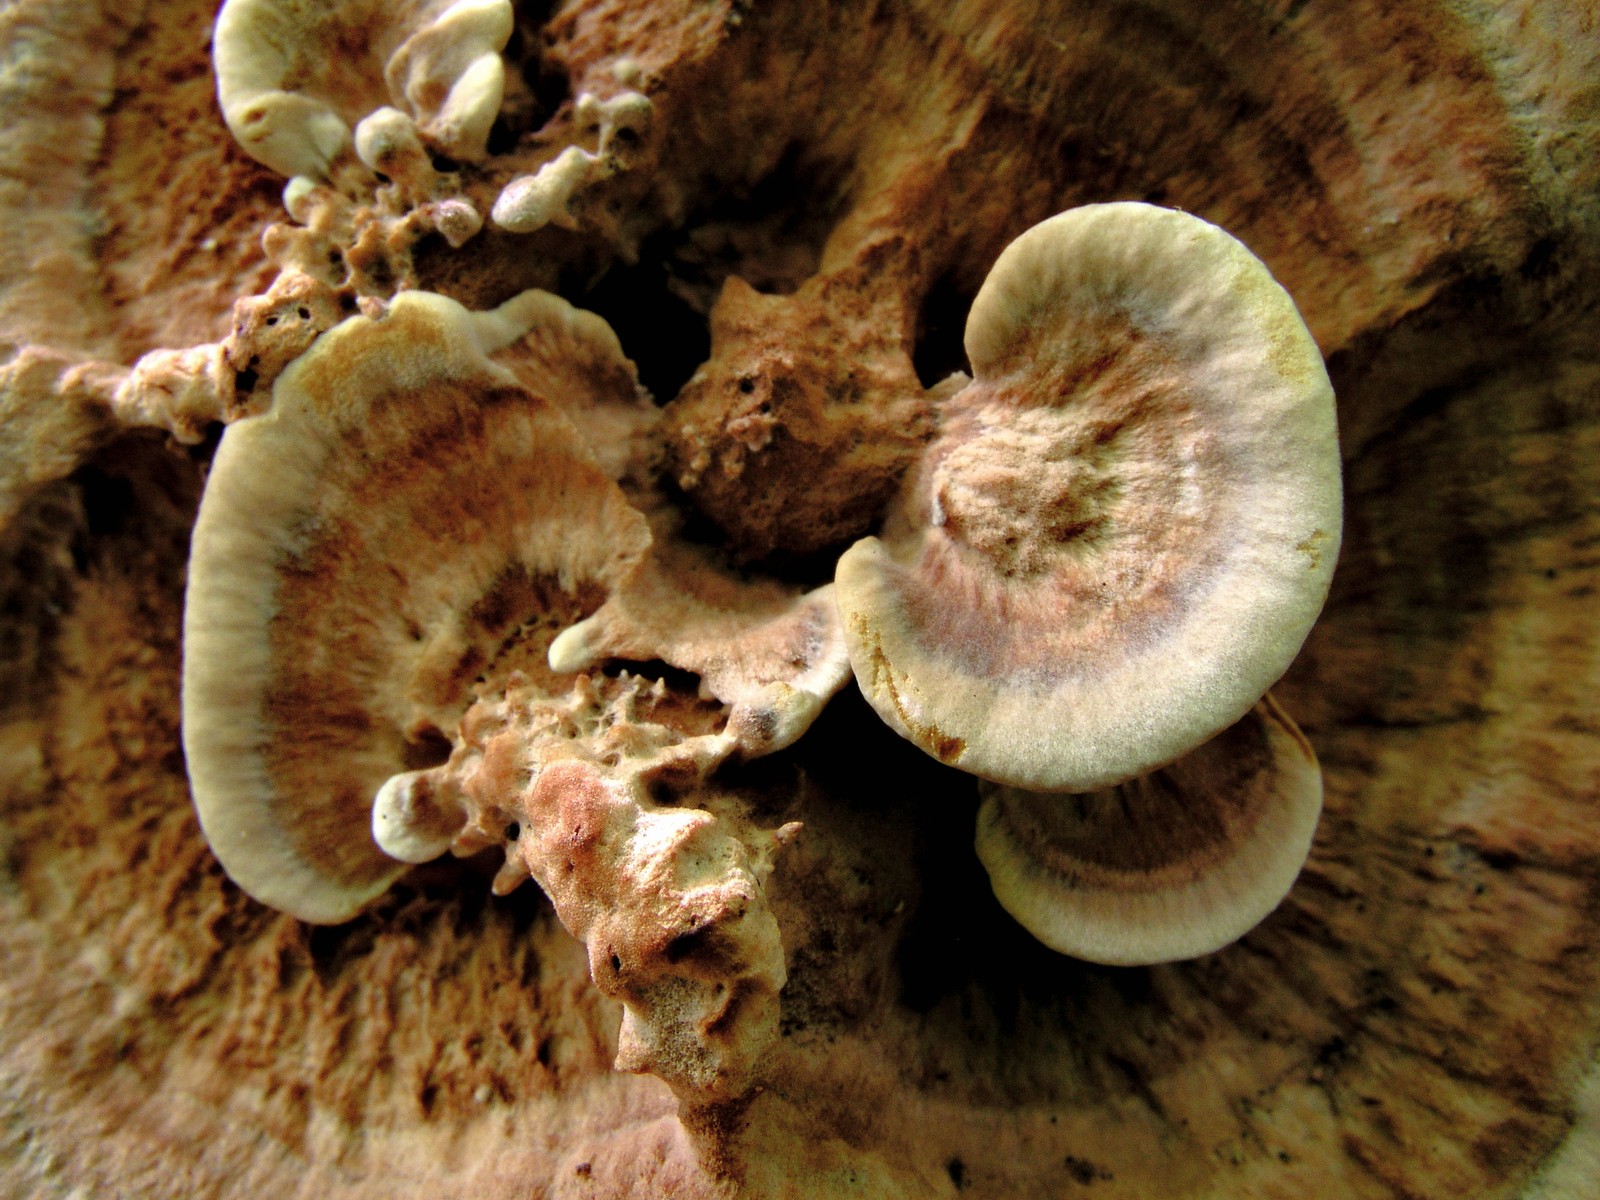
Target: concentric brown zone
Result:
[1159, 831]
[1266, 122]
[1066, 528]
[171, 272]
[376, 642]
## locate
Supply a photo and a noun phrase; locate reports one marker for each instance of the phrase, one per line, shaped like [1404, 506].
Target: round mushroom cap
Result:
[1128, 522]
[1171, 865]
[364, 548]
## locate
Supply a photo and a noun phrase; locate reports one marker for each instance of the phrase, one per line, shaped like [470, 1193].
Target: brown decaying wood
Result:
[1418, 1017]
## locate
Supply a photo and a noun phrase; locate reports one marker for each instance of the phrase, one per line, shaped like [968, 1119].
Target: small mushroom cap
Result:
[363, 550]
[1128, 522]
[293, 76]
[574, 357]
[454, 54]
[774, 655]
[408, 822]
[1171, 865]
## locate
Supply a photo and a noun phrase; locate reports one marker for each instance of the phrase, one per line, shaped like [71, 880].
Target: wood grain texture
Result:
[1421, 1016]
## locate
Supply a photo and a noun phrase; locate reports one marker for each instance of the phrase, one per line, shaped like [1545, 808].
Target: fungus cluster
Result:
[1114, 545]
[437, 565]
[595, 488]
[291, 105]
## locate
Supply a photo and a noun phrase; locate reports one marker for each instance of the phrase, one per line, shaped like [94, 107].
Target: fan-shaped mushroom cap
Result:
[290, 81]
[363, 549]
[1171, 865]
[1128, 522]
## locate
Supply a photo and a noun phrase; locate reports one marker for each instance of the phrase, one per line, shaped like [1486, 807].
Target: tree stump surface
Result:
[1421, 1016]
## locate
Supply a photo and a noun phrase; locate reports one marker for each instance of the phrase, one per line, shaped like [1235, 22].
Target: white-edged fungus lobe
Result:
[1171, 865]
[364, 549]
[1128, 521]
[293, 76]
[773, 656]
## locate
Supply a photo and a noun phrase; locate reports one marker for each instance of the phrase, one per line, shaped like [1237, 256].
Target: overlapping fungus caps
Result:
[363, 549]
[1128, 522]
[1170, 865]
[293, 75]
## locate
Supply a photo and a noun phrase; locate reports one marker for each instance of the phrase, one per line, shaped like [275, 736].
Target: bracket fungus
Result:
[1169, 865]
[1117, 542]
[1128, 521]
[378, 560]
[363, 549]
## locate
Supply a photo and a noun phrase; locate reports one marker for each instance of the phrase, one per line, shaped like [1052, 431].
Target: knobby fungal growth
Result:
[423, 595]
